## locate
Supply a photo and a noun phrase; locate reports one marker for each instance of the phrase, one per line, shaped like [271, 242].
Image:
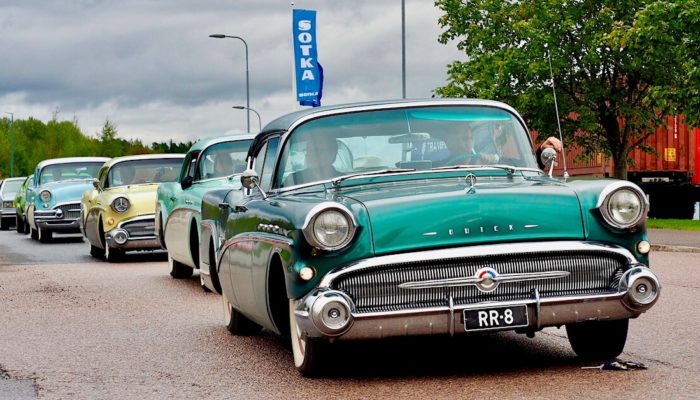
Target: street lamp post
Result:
[256, 113]
[247, 80]
[12, 144]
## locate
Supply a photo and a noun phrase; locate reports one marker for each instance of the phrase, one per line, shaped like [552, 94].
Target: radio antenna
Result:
[556, 108]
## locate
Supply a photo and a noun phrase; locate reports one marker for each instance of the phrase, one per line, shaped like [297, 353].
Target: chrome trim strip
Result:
[467, 281]
[474, 251]
[136, 219]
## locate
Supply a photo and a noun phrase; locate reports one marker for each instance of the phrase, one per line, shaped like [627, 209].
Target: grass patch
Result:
[680, 224]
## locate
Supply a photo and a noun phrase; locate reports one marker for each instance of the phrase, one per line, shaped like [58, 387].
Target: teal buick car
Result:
[53, 200]
[423, 217]
[210, 163]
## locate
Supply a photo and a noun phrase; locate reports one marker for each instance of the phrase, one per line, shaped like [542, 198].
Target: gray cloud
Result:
[150, 67]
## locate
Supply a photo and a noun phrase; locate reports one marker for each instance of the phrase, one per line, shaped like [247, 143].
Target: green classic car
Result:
[210, 163]
[423, 217]
[21, 205]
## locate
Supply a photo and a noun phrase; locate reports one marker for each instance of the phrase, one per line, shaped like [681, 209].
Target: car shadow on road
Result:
[438, 356]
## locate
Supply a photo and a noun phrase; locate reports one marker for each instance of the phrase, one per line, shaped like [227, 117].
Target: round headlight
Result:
[330, 229]
[624, 206]
[45, 196]
[120, 204]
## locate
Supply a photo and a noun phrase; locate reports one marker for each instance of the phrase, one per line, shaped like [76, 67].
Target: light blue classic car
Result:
[423, 217]
[54, 200]
[210, 163]
[8, 191]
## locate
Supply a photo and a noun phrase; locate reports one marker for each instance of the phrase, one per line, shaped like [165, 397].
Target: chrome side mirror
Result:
[250, 180]
[96, 184]
[549, 159]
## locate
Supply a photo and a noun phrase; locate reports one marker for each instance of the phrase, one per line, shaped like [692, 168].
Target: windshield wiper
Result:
[336, 181]
[508, 168]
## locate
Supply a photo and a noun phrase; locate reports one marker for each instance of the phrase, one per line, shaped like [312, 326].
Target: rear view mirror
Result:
[96, 184]
[549, 159]
[187, 182]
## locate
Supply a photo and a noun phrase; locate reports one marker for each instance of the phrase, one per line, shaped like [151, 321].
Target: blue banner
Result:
[308, 71]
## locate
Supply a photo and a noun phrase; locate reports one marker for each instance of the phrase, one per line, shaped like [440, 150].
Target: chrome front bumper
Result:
[541, 312]
[121, 238]
[8, 212]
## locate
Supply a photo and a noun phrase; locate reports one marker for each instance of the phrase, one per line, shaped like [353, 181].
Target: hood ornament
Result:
[470, 179]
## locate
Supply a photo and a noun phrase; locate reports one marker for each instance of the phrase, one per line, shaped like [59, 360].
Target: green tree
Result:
[635, 61]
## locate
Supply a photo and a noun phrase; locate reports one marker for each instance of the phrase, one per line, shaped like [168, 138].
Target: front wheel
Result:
[20, 224]
[34, 233]
[598, 340]
[114, 255]
[96, 251]
[179, 270]
[44, 236]
[309, 353]
[237, 323]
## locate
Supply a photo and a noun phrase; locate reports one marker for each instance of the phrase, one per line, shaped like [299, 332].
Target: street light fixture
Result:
[247, 80]
[256, 113]
[12, 144]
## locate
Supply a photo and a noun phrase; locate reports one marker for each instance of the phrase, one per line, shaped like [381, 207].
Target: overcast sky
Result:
[150, 68]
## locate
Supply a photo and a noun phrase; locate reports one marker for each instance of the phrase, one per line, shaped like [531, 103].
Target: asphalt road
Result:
[72, 327]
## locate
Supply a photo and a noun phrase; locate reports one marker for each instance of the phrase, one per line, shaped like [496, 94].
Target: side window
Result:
[102, 176]
[269, 164]
[190, 164]
[260, 160]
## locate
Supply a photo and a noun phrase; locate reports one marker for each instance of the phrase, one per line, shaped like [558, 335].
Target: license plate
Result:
[495, 318]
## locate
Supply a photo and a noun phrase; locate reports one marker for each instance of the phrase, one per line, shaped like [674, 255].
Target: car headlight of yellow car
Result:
[45, 196]
[329, 226]
[121, 205]
[623, 205]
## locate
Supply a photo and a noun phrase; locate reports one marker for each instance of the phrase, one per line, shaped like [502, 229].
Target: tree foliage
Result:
[612, 61]
[35, 141]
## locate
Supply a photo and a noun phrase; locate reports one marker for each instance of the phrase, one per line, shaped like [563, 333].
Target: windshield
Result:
[134, 172]
[68, 171]
[414, 138]
[12, 186]
[223, 159]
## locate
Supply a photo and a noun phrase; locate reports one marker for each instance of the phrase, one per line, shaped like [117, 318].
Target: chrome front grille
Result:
[140, 228]
[70, 211]
[377, 289]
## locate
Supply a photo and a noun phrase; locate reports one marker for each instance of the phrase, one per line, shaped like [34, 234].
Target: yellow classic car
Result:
[119, 213]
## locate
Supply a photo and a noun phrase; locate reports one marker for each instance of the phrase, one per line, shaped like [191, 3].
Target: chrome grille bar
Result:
[377, 289]
[70, 211]
[140, 228]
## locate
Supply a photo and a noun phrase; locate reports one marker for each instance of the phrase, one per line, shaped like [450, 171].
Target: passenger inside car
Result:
[321, 152]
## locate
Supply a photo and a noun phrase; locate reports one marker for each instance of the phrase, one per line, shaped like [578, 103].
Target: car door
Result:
[249, 257]
[177, 226]
[93, 209]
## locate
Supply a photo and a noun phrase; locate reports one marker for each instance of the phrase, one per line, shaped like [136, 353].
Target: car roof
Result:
[160, 156]
[203, 143]
[67, 160]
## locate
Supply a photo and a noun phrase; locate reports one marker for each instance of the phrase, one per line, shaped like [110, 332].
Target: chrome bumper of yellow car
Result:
[136, 233]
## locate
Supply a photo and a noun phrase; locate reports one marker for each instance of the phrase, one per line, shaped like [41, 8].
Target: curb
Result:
[675, 249]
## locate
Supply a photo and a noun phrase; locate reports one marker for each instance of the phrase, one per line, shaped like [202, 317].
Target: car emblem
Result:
[59, 213]
[486, 279]
[471, 180]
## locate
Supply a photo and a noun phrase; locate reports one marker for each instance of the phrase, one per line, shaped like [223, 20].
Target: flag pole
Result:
[294, 80]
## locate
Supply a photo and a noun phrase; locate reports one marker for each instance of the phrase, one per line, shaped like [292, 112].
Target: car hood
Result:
[141, 197]
[65, 191]
[448, 213]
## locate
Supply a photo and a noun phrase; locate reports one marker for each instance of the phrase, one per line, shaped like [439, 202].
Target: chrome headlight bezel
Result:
[605, 204]
[45, 196]
[120, 205]
[312, 219]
